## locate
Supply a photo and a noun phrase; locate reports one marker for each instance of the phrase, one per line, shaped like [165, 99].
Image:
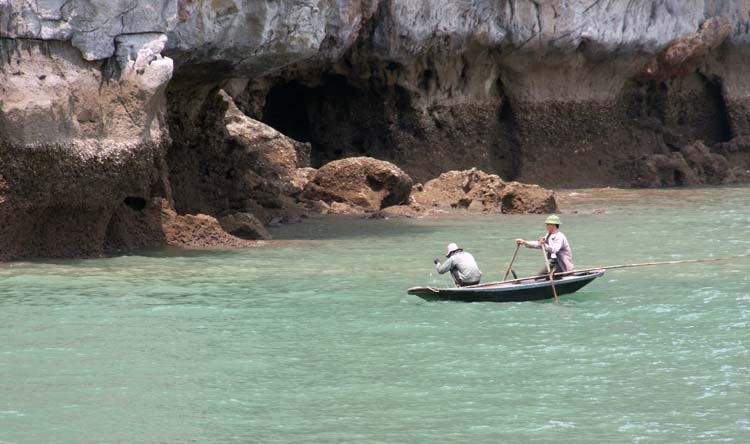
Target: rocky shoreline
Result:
[198, 124]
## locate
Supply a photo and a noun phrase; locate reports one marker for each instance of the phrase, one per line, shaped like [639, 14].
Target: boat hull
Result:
[527, 289]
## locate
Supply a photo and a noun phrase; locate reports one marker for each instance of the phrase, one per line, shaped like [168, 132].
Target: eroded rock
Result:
[694, 164]
[225, 162]
[197, 231]
[244, 225]
[683, 54]
[475, 190]
[360, 182]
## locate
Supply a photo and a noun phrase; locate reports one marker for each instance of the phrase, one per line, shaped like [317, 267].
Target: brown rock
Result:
[275, 153]
[683, 54]
[133, 228]
[362, 182]
[693, 164]
[398, 211]
[301, 177]
[477, 191]
[711, 168]
[244, 225]
[196, 231]
[659, 170]
[223, 161]
[345, 208]
[737, 154]
[525, 198]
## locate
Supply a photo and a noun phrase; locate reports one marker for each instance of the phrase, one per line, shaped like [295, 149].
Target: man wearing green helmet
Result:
[556, 245]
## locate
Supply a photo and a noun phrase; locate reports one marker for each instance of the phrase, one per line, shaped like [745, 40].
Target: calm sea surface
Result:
[316, 341]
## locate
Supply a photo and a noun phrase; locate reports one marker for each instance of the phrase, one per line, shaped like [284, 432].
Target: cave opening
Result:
[337, 119]
[722, 123]
[135, 203]
[508, 155]
[286, 110]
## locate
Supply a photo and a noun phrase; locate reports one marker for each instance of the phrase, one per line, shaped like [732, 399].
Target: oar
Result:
[549, 273]
[644, 264]
[511, 262]
[609, 267]
[453, 276]
[455, 279]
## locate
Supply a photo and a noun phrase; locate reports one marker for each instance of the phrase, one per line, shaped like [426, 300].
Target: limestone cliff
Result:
[108, 105]
[561, 93]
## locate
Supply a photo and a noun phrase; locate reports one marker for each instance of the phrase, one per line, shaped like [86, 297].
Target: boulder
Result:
[711, 168]
[275, 154]
[197, 231]
[656, 170]
[737, 153]
[244, 225]
[475, 190]
[361, 182]
[345, 208]
[693, 164]
[301, 177]
[399, 211]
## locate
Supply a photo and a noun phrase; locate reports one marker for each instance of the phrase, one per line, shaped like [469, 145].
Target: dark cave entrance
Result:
[508, 155]
[136, 203]
[684, 109]
[287, 110]
[329, 116]
[723, 126]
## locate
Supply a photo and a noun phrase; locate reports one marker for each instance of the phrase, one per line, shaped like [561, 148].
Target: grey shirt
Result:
[464, 264]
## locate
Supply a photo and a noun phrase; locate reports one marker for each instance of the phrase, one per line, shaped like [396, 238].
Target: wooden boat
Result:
[516, 290]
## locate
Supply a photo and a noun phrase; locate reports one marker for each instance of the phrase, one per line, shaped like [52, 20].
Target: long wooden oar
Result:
[512, 259]
[609, 267]
[549, 274]
[455, 279]
[645, 264]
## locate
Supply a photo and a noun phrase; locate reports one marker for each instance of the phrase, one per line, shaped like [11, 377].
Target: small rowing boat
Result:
[517, 290]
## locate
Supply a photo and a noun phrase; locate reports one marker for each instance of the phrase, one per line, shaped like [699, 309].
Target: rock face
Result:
[694, 164]
[533, 91]
[75, 145]
[215, 106]
[155, 223]
[681, 56]
[223, 162]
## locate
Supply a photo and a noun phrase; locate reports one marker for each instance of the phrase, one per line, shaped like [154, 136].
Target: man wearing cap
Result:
[462, 266]
[556, 245]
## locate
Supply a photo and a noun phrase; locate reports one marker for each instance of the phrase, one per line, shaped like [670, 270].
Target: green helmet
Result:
[552, 219]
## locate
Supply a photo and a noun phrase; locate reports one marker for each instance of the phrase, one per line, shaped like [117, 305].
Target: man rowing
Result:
[462, 266]
[559, 254]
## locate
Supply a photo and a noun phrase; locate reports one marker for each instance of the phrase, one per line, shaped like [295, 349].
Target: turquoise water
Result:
[315, 340]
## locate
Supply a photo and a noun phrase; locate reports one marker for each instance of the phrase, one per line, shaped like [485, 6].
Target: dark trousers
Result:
[458, 282]
[554, 266]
